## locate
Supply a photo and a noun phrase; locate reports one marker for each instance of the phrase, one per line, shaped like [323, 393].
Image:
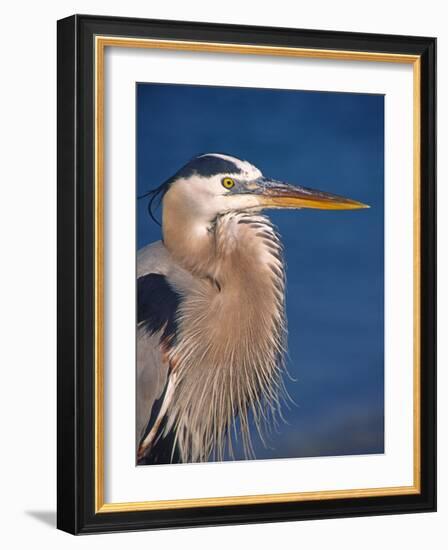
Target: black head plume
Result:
[155, 198]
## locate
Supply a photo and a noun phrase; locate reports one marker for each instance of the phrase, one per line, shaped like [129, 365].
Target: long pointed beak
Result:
[274, 194]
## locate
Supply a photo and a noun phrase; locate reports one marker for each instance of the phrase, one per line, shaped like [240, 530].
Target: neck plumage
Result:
[228, 358]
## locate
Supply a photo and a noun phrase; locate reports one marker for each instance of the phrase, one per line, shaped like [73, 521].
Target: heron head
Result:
[214, 183]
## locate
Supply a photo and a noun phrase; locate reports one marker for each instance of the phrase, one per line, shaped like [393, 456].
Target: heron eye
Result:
[228, 183]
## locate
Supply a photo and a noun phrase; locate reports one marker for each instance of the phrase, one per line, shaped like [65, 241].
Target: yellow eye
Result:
[228, 183]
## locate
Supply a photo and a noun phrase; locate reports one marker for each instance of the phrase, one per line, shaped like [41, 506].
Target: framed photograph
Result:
[246, 271]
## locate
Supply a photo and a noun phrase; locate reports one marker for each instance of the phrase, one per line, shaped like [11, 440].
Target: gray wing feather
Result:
[152, 376]
[160, 281]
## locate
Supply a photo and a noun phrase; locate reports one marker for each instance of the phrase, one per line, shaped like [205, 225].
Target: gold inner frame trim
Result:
[101, 42]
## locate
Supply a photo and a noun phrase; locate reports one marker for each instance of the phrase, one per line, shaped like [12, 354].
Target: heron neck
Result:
[188, 238]
[231, 335]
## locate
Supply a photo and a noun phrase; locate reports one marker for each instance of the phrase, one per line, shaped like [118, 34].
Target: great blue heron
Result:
[211, 320]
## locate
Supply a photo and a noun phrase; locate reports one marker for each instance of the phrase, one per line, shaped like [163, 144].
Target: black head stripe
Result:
[207, 166]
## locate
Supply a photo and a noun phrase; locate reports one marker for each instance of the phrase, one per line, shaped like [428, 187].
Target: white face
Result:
[206, 197]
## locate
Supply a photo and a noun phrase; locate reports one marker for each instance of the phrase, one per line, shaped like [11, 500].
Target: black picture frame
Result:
[76, 255]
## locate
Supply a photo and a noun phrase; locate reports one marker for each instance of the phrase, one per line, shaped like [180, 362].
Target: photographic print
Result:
[246, 274]
[260, 274]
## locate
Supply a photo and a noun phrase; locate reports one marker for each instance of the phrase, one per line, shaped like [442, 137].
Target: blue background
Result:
[335, 260]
